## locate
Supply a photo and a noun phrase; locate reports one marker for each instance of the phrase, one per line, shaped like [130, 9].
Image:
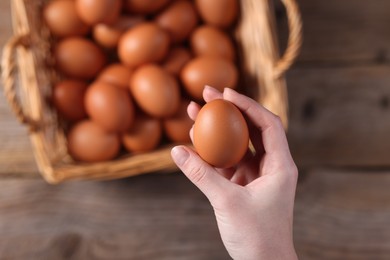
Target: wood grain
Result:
[345, 31]
[5, 24]
[16, 156]
[146, 217]
[338, 215]
[343, 215]
[340, 116]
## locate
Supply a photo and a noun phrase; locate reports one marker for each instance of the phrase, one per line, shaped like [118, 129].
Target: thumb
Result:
[204, 176]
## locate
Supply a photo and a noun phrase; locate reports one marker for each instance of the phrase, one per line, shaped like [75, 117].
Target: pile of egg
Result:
[131, 67]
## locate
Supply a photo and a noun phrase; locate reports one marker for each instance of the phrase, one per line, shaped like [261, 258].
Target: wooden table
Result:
[339, 136]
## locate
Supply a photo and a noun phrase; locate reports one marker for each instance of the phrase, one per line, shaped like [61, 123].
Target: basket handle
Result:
[8, 73]
[294, 40]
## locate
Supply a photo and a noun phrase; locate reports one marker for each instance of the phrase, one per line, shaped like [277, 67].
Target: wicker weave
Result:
[27, 65]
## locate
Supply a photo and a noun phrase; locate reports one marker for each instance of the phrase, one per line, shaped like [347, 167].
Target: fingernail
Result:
[211, 89]
[179, 155]
[227, 91]
[192, 103]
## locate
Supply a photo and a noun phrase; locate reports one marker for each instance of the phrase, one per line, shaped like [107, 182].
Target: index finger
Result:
[271, 128]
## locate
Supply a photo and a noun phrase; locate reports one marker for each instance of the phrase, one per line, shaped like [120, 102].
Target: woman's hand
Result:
[253, 202]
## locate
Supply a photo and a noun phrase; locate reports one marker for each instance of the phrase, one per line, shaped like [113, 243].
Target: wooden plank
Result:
[146, 217]
[343, 215]
[343, 31]
[16, 156]
[340, 116]
[5, 22]
[338, 215]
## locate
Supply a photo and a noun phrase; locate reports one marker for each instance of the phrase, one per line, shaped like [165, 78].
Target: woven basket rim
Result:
[256, 34]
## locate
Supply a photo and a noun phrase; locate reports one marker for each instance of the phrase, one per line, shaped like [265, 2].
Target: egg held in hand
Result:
[221, 135]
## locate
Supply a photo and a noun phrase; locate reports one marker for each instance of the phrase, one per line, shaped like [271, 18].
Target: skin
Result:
[253, 202]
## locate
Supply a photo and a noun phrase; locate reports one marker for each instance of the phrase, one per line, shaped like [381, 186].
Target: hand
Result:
[253, 202]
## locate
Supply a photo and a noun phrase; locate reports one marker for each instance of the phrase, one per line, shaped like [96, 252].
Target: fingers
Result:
[193, 110]
[255, 137]
[200, 173]
[210, 93]
[273, 135]
[247, 169]
[227, 173]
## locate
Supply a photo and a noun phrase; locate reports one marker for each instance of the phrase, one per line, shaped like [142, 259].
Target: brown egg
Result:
[108, 35]
[177, 127]
[211, 41]
[144, 6]
[68, 99]
[155, 91]
[221, 13]
[144, 43]
[176, 59]
[116, 74]
[62, 19]
[221, 135]
[144, 135]
[99, 11]
[179, 19]
[207, 70]
[88, 142]
[77, 57]
[110, 106]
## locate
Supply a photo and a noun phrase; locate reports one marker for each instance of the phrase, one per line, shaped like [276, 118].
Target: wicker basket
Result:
[28, 75]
